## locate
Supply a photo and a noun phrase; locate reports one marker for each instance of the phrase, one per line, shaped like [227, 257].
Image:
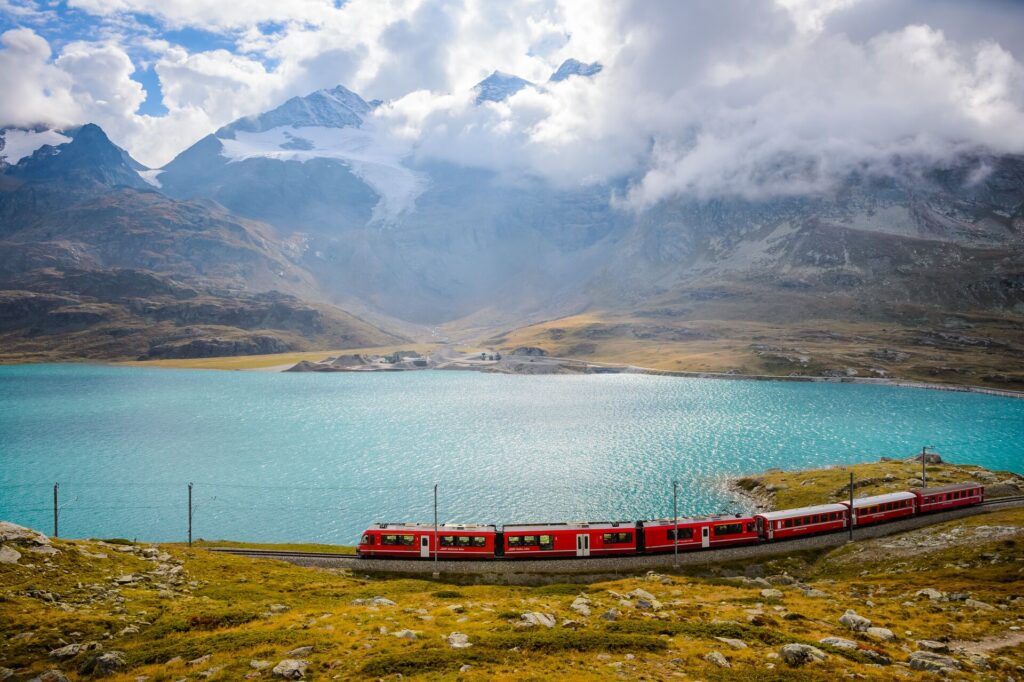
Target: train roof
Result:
[880, 499]
[802, 511]
[698, 519]
[569, 525]
[951, 488]
[443, 528]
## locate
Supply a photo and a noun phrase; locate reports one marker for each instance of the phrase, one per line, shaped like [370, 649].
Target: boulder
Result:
[457, 640]
[734, 643]
[796, 655]
[278, 608]
[881, 634]
[12, 532]
[291, 669]
[932, 662]
[933, 646]
[610, 614]
[717, 659]
[840, 643]
[381, 601]
[72, 650]
[51, 676]
[980, 605]
[581, 605]
[404, 634]
[542, 619]
[299, 651]
[772, 593]
[104, 664]
[6, 674]
[9, 555]
[931, 593]
[855, 622]
[259, 665]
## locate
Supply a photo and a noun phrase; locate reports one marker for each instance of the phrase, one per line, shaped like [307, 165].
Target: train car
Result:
[949, 497]
[659, 535]
[881, 508]
[581, 539]
[791, 523]
[417, 540]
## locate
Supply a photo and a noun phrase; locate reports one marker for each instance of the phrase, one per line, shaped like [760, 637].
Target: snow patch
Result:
[373, 156]
[150, 176]
[19, 144]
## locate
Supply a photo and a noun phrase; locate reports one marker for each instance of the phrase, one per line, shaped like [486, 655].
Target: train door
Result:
[583, 545]
[705, 536]
[425, 546]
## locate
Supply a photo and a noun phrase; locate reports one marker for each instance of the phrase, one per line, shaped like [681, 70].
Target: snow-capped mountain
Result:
[19, 143]
[498, 87]
[574, 67]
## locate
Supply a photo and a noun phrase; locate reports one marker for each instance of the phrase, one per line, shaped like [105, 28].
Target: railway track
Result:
[528, 571]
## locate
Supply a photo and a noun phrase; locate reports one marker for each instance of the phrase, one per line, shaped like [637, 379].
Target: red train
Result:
[624, 538]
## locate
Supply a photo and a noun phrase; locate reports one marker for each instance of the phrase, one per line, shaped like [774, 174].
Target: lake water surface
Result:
[317, 457]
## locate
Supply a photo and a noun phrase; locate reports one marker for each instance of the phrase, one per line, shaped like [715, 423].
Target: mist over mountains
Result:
[317, 224]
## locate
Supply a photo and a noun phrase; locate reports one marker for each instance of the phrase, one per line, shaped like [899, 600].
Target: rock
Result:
[72, 650]
[856, 623]
[12, 532]
[881, 634]
[980, 605]
[299, 651]
[278, 608]
[211, 671]
[734, 643]
[542, 619]
[648, 605]
[930, 593]
[381, 601]
[465, 668]
[129, 578]
[772, 593]
[717, 659]
[9, 555]
[876, 657]
[129, 630]
[932, 662]
[259, 665]
[641, 594]
[933, 646]
[44, 549]
[572, 624]
[6, 674]
[840, 643]
[405, 634]
[796, 655]
[199, 661]
[610, 614]
[915, 483]
[581, 605]
[781, 579]
[50, 676]
[815, 594]
[291, 669]
[456, 608]
[104, 664]
[457, 640]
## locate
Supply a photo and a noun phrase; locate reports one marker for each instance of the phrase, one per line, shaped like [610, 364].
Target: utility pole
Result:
[435, 528]
[924, 468]
[190, 514]
[56, 486]
[675, 523]
[853, 513]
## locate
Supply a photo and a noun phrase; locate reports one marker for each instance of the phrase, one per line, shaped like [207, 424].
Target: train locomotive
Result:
[654, 536]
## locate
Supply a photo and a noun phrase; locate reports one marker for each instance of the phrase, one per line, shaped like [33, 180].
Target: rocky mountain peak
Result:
[88, 158]
[337, 107]
[499, 86]
[574, 67]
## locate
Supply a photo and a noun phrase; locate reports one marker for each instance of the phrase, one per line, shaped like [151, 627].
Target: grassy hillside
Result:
[175, 613]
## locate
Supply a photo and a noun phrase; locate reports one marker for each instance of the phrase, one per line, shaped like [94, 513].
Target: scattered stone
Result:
[881, 634]
[405, 634]
[12, 532]
[299, 651]
[840, 643]
[932, 662]
[129, 578]
[542, 619]
[199, 661]
[877, 657]
[572, 624]
[933, 646]
[717, 659]
[772, 593]
[581, 605]
[932, 594]
[259, 665]
[980, 605]
[381, 601]
[291, 669]
[734, 643]
[610, 614]
[173, 661]
[51, 676]
[457, 640]
[796, 655]
[211, 671]
[278, 608]
[72, 650]
[44, 549]
[781, 579]
[465, 668]
[456, 608]
[856, 623]
[9, 555]
[104, 664]
[6, 674]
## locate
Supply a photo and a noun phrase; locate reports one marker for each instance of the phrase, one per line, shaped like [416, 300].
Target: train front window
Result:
[367, 539]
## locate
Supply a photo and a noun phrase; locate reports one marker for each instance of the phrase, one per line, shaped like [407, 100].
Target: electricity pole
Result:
[853, 514]
[190, 514]
[55, 529]
[435, 528]
[924, 469]
[675, 523]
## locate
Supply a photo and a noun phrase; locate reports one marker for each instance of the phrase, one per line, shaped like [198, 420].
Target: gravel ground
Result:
[596, 569]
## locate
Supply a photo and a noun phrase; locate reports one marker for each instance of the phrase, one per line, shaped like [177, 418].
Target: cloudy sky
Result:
[706, 97]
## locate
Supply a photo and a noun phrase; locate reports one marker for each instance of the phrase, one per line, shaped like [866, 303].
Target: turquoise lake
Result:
[317, 457]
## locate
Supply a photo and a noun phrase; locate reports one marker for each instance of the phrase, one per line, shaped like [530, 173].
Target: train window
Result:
[751, 527]
[728, 528]
[366, 540]
[447, 540]
[530, 540]
[684, 533]
[617, 538]
[407, 540]
[789, 523]
[547, 542]
[479, 541]
[389, 539]
[515, 541]
[463, 541]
